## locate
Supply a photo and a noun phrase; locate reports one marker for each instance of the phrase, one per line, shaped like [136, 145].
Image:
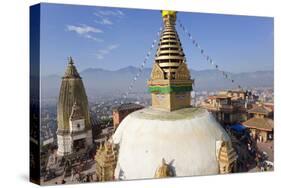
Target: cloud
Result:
[104, 15]
[104, 21]
[93, 38]
[85, 31]
[103, 52]
[113, 46]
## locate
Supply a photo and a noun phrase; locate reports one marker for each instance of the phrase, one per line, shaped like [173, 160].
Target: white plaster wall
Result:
[74, 125]
[189, 145]
[64, 144]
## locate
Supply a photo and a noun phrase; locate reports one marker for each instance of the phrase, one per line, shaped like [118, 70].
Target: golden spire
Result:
[170, 83]
[106, 160]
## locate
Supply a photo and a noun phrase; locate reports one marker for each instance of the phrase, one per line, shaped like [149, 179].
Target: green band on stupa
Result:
[169, 89]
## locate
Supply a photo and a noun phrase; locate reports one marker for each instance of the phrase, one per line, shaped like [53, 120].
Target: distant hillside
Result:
[104, 82]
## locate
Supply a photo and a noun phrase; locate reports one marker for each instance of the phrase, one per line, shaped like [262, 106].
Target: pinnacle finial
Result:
[100, 147]
[163, 161]
[105, 146]
[169, 17]
[70, 60]
[168, 12]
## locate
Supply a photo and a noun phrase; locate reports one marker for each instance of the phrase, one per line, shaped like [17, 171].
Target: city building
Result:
[260, 123]
[120, 112]
[74, 123]
[185, 136]
[229, 107]
[261, 110]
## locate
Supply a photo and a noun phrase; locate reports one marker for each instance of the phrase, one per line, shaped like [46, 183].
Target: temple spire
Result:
[170, 84]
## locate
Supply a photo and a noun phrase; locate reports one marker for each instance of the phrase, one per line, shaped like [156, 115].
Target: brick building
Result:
[120, 112]
[229, 107]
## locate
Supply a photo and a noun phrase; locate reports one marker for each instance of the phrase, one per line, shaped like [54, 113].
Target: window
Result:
[78, 126]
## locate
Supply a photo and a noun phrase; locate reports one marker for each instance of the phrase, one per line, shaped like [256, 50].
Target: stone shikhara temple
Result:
[74, 123]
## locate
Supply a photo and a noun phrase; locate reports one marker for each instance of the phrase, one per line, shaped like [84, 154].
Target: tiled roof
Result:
[259, 123]
[220, 96]
[260, 109]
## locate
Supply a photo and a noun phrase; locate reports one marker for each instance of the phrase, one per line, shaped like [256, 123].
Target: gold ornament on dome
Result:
[157, 72]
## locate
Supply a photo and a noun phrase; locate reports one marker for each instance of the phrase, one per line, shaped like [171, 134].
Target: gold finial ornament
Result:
[163, 171]
[168, 12]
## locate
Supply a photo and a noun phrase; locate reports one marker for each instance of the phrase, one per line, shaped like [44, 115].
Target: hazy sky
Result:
[112, 38]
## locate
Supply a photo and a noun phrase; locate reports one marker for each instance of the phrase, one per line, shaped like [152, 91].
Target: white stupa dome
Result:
[187, 139]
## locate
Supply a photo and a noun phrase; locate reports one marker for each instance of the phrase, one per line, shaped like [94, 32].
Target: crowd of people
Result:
[249, 156]
[71, 169]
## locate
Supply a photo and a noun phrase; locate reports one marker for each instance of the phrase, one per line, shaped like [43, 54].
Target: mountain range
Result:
[101, 82]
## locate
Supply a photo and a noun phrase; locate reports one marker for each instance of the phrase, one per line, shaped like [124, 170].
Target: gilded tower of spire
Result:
[227, 158]
[170, 83]
[106, 159]
[74, 123]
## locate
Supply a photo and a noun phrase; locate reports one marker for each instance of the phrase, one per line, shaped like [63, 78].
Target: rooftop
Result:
[127, 106]
[220, 96]
[260, 109]
[259, 123]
